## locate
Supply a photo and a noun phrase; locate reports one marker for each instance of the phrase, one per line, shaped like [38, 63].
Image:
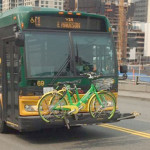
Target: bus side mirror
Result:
[19, 39]
[123, 69]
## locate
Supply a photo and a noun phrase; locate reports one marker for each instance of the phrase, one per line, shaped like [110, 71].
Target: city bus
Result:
[42, 46]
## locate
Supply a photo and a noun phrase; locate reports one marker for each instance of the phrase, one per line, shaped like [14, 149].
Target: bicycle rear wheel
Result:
[104, 109]
[58, 100]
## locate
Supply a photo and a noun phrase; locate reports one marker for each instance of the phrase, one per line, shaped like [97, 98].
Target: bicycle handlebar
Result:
[91, 75]
[69, 82]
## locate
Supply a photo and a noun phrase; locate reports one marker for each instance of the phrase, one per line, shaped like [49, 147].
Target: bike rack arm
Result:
[128, 116]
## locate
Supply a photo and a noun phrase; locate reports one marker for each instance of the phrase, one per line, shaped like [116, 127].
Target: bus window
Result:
[46, 54]
[94, 52]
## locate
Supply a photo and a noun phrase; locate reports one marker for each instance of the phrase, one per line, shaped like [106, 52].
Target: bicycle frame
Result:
[84, 99]
[69, 95]
[88, 95]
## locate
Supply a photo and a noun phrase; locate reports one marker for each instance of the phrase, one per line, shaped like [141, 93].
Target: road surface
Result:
[125, 135]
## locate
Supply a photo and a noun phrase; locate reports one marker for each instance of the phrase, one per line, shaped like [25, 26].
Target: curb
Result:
[135, 97]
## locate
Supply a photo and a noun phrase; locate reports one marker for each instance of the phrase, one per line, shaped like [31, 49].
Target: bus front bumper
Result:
[32, 123]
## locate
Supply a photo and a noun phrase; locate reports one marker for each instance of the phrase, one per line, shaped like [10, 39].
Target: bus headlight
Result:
[30, 108]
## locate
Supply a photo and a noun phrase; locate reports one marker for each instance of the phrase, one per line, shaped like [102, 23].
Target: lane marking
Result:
[127, 129]
[134, 132]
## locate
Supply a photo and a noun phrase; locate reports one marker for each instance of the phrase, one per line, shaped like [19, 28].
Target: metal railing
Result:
[135, 79]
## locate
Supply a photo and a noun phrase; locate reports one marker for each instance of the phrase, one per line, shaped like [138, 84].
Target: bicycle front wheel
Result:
[103, 107]
[47, 105]
[44, 108]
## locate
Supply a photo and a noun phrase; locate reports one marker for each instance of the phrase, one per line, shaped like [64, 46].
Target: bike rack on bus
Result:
[128, 116]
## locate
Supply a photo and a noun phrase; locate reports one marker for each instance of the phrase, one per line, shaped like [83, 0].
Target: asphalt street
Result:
[128, 134]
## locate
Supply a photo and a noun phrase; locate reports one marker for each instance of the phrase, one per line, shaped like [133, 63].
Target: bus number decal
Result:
[36, 21]
[40, 83]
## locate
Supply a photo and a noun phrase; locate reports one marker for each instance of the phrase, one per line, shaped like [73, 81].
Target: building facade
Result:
[135, 45]
[90, 6]
[142, 11]
[138, 39]
[148, 15]
[9, 4]
[111, 10]
[142, 14]
[147, 40]
[39, 3]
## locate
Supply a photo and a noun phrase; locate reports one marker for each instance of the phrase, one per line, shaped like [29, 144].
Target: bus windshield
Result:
[48, 53]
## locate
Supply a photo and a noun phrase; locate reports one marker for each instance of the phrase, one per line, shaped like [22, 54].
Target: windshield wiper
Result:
[70, 60]
[77, 57]
[60, 70]
[72, 55]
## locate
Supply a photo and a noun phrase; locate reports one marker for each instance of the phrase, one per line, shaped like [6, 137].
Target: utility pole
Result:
[122, 32]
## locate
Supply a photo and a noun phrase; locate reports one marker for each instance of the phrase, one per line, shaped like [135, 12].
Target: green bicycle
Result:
[50, 99]
[100, 104]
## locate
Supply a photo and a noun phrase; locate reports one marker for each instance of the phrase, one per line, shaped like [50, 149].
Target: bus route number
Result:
[36, 21]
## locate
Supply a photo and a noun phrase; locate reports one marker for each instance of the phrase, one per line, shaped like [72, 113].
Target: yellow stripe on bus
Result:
[12, 124]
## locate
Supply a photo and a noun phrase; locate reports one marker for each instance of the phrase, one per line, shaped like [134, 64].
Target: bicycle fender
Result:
[88, 104]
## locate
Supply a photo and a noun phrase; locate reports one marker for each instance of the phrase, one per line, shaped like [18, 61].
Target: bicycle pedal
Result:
[80, 107]
[66, 120]
[67, 123]
[68, 126]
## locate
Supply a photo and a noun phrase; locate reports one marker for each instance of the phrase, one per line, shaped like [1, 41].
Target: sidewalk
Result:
[133, 94]
[139, 91]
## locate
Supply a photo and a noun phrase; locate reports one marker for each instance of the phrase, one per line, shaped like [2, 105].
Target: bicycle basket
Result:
[103, 84]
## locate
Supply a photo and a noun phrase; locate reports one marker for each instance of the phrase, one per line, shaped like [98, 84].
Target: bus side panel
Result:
[8, 85]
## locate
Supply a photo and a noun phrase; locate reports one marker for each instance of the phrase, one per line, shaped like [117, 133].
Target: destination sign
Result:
[67, 22]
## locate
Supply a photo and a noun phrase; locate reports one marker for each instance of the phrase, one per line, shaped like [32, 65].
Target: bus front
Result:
[60, 46]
